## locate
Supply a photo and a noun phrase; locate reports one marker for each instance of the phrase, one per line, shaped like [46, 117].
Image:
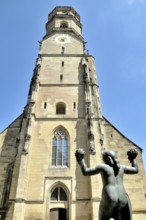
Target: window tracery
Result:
[60, 148]
[58, 194]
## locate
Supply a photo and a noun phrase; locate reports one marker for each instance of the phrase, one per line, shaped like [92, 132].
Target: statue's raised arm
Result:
[85, 170]
[132, 154]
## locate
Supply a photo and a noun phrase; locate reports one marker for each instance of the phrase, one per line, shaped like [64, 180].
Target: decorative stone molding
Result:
[28, 109]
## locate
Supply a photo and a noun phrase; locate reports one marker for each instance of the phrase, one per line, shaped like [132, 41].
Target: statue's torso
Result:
[113, 188]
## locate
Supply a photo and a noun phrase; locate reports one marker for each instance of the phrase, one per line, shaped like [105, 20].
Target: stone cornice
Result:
[64, 30]
[60, 85]
[63, 8]
[62, 118]
[71, 17]
[64, 55]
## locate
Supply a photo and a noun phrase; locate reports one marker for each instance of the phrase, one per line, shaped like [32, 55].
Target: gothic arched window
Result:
[58, 194]
[60, 148]
[60, 108]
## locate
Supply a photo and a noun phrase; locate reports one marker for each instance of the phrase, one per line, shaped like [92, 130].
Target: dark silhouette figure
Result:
[115, 202]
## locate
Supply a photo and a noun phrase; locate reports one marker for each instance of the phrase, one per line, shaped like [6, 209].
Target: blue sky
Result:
[115, 31]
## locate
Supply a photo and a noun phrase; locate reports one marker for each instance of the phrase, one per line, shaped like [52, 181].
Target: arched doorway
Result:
[58, 214]
[59, 209]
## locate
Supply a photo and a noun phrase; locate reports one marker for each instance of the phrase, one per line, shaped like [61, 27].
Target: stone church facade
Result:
[39, 176]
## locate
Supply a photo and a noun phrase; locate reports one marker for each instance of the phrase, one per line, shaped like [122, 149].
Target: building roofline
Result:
[122, 134]
[11, 123]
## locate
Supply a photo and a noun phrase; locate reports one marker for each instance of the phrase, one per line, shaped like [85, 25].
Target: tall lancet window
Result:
[60, 148]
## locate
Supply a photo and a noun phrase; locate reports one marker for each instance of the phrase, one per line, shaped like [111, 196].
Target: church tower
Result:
[63, 113]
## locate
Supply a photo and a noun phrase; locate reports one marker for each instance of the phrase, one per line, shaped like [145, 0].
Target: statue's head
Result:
[110, 158]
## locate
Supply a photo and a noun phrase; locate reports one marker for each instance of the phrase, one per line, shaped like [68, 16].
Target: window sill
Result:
[59, 167]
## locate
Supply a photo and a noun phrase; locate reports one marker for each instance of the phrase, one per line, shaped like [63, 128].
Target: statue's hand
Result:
[132, 154]
[79, 154]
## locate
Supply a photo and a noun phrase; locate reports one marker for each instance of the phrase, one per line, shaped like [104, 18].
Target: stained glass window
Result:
[60, 148]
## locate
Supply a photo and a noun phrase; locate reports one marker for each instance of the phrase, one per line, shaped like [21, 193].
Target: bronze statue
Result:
[115, 202]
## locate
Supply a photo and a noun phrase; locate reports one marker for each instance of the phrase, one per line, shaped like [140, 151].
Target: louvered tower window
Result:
[60, 107]
[64, 25]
